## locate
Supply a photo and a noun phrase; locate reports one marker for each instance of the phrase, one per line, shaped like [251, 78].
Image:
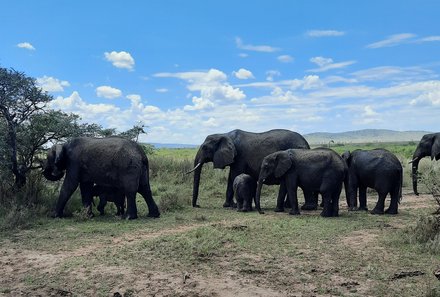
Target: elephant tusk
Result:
[413, 160]
[197, 166]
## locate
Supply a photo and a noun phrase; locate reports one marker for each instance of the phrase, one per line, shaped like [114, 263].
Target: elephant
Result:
[378, 169]
[109, 194]
[429, 145]
[243, 152]
[318, 170]
[110, 162]
[244, 188]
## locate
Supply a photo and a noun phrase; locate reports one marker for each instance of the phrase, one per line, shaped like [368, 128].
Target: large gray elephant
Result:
[318, 170]
[378, 169]
[110, 162]
[429, 145]
[243, 152]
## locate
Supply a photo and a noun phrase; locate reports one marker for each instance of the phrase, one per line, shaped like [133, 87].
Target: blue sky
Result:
[187, 69]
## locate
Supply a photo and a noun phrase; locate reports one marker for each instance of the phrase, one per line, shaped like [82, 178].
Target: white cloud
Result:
[243, 74]
[120, 59]
[51, 84]
[199, 104]
[311, 82]
[211, 122]
[26, 45]
[89, 112]
[134, 98]
[430, 98]
[324, 33]
[285, 58]
[243, 55]
[369, 112]
[326, 64]
[162, 90]
[108, 92]
[256, 48]
[394, 73]
[392, 40]
[429, 39]
[271, 74]
[211, 84]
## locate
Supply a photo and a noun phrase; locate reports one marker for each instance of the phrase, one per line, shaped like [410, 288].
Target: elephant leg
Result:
[363, 198]
[229, 202]
[394, 204]
[310, 200]
[292, 189]
[131, 206]
[66, 192]
[86, 189]
[335, 201]
[102, 204]
[281, 194]
[327, 211]
[145, 191]
[380, 205]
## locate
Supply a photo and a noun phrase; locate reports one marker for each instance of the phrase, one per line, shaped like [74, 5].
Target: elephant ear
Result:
[225, 153]
[283, 163]
[60, 156]
[435, 151]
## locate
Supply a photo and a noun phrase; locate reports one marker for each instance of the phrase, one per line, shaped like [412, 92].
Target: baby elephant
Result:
[314, 171]
[244, 189]
[378, 169]
[109, 194]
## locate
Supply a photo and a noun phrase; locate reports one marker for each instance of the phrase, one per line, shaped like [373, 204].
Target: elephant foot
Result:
[229, 204]
[294, 212]
[246, 209]
[260, 211]
[279, 209]
[376, 211]
[56, 214]
[326, 214]
[322, 204]
[362, 208]
[309, 207]
[153, 215]
[335, 214]
[391, 211]
[196, 206]
[287, 204]
[352, 208]
[132, 216]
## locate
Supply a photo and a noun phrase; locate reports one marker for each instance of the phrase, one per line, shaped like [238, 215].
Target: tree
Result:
[28, 125]
[20, 98]
[134, 132]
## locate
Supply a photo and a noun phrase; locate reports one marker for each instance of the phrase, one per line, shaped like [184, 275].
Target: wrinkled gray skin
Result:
[244, 188]
[378, 169]
[243, 152]
[109, 162]
[429, 145]
[318, 170]
[109, 194]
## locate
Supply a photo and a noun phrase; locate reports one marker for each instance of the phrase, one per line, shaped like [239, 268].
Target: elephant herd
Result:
[116, 169]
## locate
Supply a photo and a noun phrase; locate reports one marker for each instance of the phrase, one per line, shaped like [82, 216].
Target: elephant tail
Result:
[400, 186]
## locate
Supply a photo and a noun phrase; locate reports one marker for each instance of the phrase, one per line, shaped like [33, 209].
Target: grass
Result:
[356, 254]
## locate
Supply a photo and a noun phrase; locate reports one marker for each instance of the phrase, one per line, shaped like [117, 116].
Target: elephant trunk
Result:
[257, 196]
[198, 164]
[53, 175]
[415, 167]
[197, 173]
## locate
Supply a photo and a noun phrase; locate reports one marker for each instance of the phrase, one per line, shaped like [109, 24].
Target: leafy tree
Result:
[134, 132]
[27, 125]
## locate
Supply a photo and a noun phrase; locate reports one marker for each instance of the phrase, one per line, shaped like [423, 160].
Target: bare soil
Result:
[25, 271]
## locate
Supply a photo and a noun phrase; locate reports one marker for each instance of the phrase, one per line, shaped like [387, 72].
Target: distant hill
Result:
[367, 135]
[173, 145]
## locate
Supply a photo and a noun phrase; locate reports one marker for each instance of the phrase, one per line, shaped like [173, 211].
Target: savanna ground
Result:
[212, 251]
